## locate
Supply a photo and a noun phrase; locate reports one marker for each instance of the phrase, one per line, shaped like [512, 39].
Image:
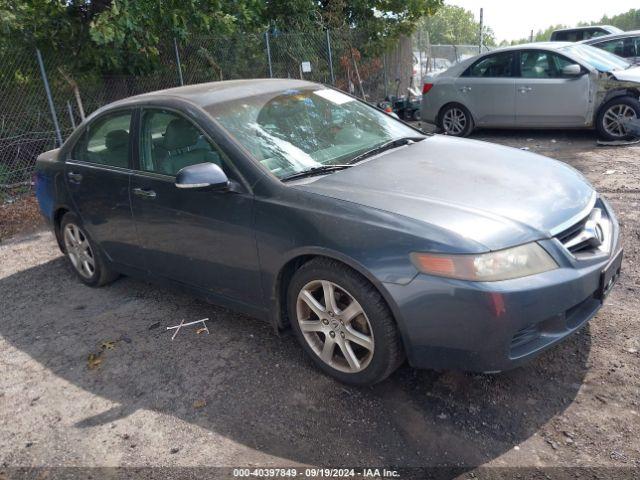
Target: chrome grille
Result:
[592, 235]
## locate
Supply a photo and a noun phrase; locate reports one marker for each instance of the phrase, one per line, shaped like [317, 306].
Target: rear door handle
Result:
[525, 89]
[145, 193]
[465, 89]
[74, 177]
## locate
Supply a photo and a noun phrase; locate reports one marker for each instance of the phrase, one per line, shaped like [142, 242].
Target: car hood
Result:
[491, 195]
[631, 74]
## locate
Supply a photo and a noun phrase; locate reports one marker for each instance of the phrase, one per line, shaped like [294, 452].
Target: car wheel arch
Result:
[449, 104]
[58, 214]
[620, 92]
[296, 260]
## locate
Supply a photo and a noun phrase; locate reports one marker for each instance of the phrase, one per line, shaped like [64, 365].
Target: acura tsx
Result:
[301, 205]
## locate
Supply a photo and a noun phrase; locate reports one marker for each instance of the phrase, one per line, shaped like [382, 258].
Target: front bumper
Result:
[494, 326]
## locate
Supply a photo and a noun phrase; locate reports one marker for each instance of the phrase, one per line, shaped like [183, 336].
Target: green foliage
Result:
[124, 36]
[453, 25]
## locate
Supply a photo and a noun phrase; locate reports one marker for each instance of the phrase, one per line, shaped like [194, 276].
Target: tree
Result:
[122, 36]
[453, 25]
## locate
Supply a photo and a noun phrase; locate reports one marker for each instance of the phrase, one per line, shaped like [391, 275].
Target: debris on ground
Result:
[182, 324]
[617, 143]
[18, 215]
[199, 404]
[94, 360]
[609, 172]
[108, 345]
[153, 326]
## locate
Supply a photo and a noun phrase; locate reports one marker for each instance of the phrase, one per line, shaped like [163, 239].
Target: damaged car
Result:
[538, 85]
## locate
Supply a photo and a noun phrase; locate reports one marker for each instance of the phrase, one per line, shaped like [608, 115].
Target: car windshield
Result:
[301, 129]
[597, 58]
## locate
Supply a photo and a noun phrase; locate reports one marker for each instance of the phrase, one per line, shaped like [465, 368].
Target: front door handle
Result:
[74, 177]
[143, 192]
[465, 89]
[525, 89]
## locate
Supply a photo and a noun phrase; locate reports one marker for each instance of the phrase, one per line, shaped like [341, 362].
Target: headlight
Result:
[506, 264]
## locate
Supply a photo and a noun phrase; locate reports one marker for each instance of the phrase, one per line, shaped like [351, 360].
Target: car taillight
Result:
[427, 87]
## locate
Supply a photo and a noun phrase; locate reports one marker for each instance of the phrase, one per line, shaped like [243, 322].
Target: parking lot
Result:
[246, 396]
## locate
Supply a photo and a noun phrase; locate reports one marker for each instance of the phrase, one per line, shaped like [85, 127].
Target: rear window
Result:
[578, 34]
[493, 66]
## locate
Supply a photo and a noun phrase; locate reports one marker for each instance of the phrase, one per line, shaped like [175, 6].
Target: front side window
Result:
[541, 64]
[500, 65]
[106, 141]
[299, 129]
[170, 142]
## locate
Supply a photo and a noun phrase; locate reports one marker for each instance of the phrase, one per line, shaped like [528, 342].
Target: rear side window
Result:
[106, 141]
[499, 65]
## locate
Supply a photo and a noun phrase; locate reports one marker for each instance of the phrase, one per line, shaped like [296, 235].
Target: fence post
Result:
[70, 110]
[43, 73]
[266, 39]
[333, 79]
[175, 48]
[384, 73]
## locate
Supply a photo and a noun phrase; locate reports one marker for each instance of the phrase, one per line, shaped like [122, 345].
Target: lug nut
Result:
[342, 334]
[332, 334]
[325, 321]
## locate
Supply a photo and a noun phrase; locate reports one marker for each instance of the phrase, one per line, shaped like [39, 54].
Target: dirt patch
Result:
[21, 215]
[245, 396]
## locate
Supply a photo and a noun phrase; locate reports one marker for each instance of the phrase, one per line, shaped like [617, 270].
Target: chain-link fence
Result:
[43, 100]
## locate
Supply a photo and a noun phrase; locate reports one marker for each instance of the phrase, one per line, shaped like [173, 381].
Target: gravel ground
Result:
[245, 396]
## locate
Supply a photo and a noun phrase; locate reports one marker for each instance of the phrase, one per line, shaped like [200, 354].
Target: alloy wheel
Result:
[77, 245]
[615, 117]
[335, 326]
[454, 121]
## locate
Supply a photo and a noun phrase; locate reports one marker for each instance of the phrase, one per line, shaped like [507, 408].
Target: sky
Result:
[514, 19]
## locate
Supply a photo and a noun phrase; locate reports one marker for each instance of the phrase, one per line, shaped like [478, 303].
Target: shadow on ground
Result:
[258, 388]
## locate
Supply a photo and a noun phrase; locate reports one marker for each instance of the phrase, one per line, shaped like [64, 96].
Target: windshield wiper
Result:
[315, 171]
[398, 142]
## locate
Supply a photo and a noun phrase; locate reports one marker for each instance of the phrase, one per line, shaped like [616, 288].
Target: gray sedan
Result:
[314, 211]
[540, 85]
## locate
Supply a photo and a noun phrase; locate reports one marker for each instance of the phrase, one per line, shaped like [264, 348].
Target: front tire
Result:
[611, 117]
[456, 120]
[343, 323]
[83, 254]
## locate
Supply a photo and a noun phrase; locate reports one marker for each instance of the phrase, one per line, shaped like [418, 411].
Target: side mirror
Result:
[572, 70]
[202, 175]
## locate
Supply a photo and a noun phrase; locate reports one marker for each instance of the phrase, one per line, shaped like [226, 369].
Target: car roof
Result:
[534, 45]
[587, 27]
[611, 36]
[211, 93]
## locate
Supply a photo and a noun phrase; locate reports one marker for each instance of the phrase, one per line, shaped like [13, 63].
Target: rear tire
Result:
[611, 114]
[84, 256]
[455, 120]
[355, 340]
